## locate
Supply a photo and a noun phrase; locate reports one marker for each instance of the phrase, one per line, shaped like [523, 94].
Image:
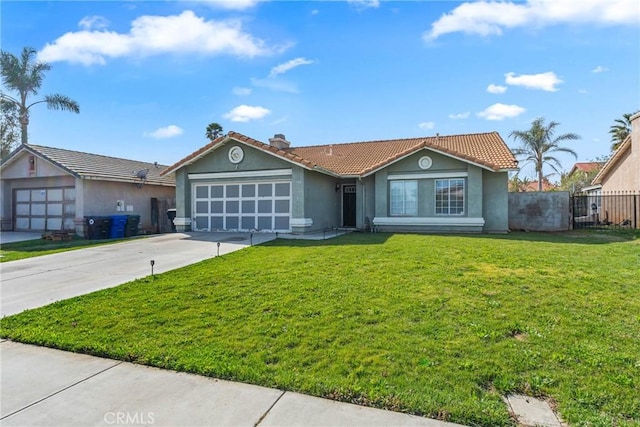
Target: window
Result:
[404, 198]
[450, 196]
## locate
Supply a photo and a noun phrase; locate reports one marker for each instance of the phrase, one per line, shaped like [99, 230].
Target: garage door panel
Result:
[243, 206]
[40, 209]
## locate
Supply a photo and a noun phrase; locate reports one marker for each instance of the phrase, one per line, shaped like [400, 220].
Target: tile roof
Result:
[363, 158]
[95, 166]
[585, 167]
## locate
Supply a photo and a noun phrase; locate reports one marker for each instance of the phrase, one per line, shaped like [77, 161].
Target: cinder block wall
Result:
[539, 211]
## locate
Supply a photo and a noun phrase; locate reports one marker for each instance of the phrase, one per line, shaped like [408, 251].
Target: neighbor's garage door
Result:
[44, 209]
[247, 206]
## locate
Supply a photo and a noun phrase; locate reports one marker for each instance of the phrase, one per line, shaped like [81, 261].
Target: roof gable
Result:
[486, 150]
[95, 166]
[613, 160]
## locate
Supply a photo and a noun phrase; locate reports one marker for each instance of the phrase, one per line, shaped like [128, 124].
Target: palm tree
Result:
[538, 144]
[9, 124]
[214, 130]
[620, 130]
[24, 76]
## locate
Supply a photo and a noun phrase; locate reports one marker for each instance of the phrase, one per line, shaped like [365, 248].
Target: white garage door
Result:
[45, 209]
[246, 206]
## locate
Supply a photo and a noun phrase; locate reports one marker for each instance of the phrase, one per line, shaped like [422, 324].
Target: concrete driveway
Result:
[34, 282]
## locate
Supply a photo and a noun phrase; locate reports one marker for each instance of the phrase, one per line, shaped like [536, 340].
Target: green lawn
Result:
[31, 248]
[440, 326]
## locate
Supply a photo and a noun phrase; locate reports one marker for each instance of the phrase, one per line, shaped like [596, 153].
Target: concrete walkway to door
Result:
[34, 282]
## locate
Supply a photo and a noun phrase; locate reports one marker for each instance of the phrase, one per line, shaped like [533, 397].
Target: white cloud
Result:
[496, 88]
[230, 4]
[93, 23]
[165, 132]
[155, 35]
[543, 81]
[426, 125]
[244, 113]
[486, 18]
[275, 85]
[464, 115]
[582, 91]
[599, 69]
[242, 91]
[501, 111]
[364, 4]
[289, 65]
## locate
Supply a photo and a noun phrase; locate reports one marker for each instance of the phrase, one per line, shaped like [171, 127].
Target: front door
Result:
[349, 206]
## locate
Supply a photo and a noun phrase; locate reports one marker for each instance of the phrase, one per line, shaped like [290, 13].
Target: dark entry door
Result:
[348, 205]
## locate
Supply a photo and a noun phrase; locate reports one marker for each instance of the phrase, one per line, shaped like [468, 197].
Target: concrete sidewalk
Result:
[45, 387]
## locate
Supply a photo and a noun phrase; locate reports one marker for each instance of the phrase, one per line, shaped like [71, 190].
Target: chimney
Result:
[278, 141]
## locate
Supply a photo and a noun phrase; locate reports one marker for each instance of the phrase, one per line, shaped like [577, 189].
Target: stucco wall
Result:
[626, 175]
[100, 198]
[495, 206]
[321, 201]
[539, 211]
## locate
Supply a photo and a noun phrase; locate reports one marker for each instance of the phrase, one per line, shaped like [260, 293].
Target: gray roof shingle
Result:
[96, 166]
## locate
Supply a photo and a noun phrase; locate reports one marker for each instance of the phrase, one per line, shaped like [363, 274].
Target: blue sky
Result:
[150, 75]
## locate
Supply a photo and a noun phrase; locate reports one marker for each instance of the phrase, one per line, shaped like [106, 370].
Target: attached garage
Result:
[39, 209]
[242, 206]
[53, 189]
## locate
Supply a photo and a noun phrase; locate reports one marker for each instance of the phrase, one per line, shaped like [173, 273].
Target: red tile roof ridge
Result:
[424, 138]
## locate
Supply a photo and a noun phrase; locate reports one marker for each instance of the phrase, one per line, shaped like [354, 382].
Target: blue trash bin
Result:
[118, 225]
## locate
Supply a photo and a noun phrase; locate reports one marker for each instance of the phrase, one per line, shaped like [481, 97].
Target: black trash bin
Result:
[133, 221]
[98, 227]
[93, 228]
[171, 214]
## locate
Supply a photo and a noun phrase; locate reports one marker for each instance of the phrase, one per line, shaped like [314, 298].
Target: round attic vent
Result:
[425, 162]
[236, 155]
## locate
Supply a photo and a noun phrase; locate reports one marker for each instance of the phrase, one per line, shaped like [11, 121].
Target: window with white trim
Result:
[449, 196]
[403, 198]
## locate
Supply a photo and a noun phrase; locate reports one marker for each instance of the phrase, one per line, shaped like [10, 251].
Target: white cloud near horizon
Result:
[501, 111]
[229, 4]
[496, 89]
[165, 132]
[245, 113]
[426, 125]
[543, 81]
[458, 116]
[599, 69]
[242, 91]
[155, 35]
[486, 18]
[94, 22]
[289, 65]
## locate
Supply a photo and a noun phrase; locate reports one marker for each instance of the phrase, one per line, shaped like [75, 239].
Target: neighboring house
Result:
[622, 170]
[49, 189]
[616, 188]
[582, 170]
[454, 183]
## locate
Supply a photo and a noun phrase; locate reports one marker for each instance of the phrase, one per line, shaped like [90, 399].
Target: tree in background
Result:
[575, 182]
[214, 130]
[517, 185]
[539, 143]
[24, 76]
[620, 130]
[9, 128]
